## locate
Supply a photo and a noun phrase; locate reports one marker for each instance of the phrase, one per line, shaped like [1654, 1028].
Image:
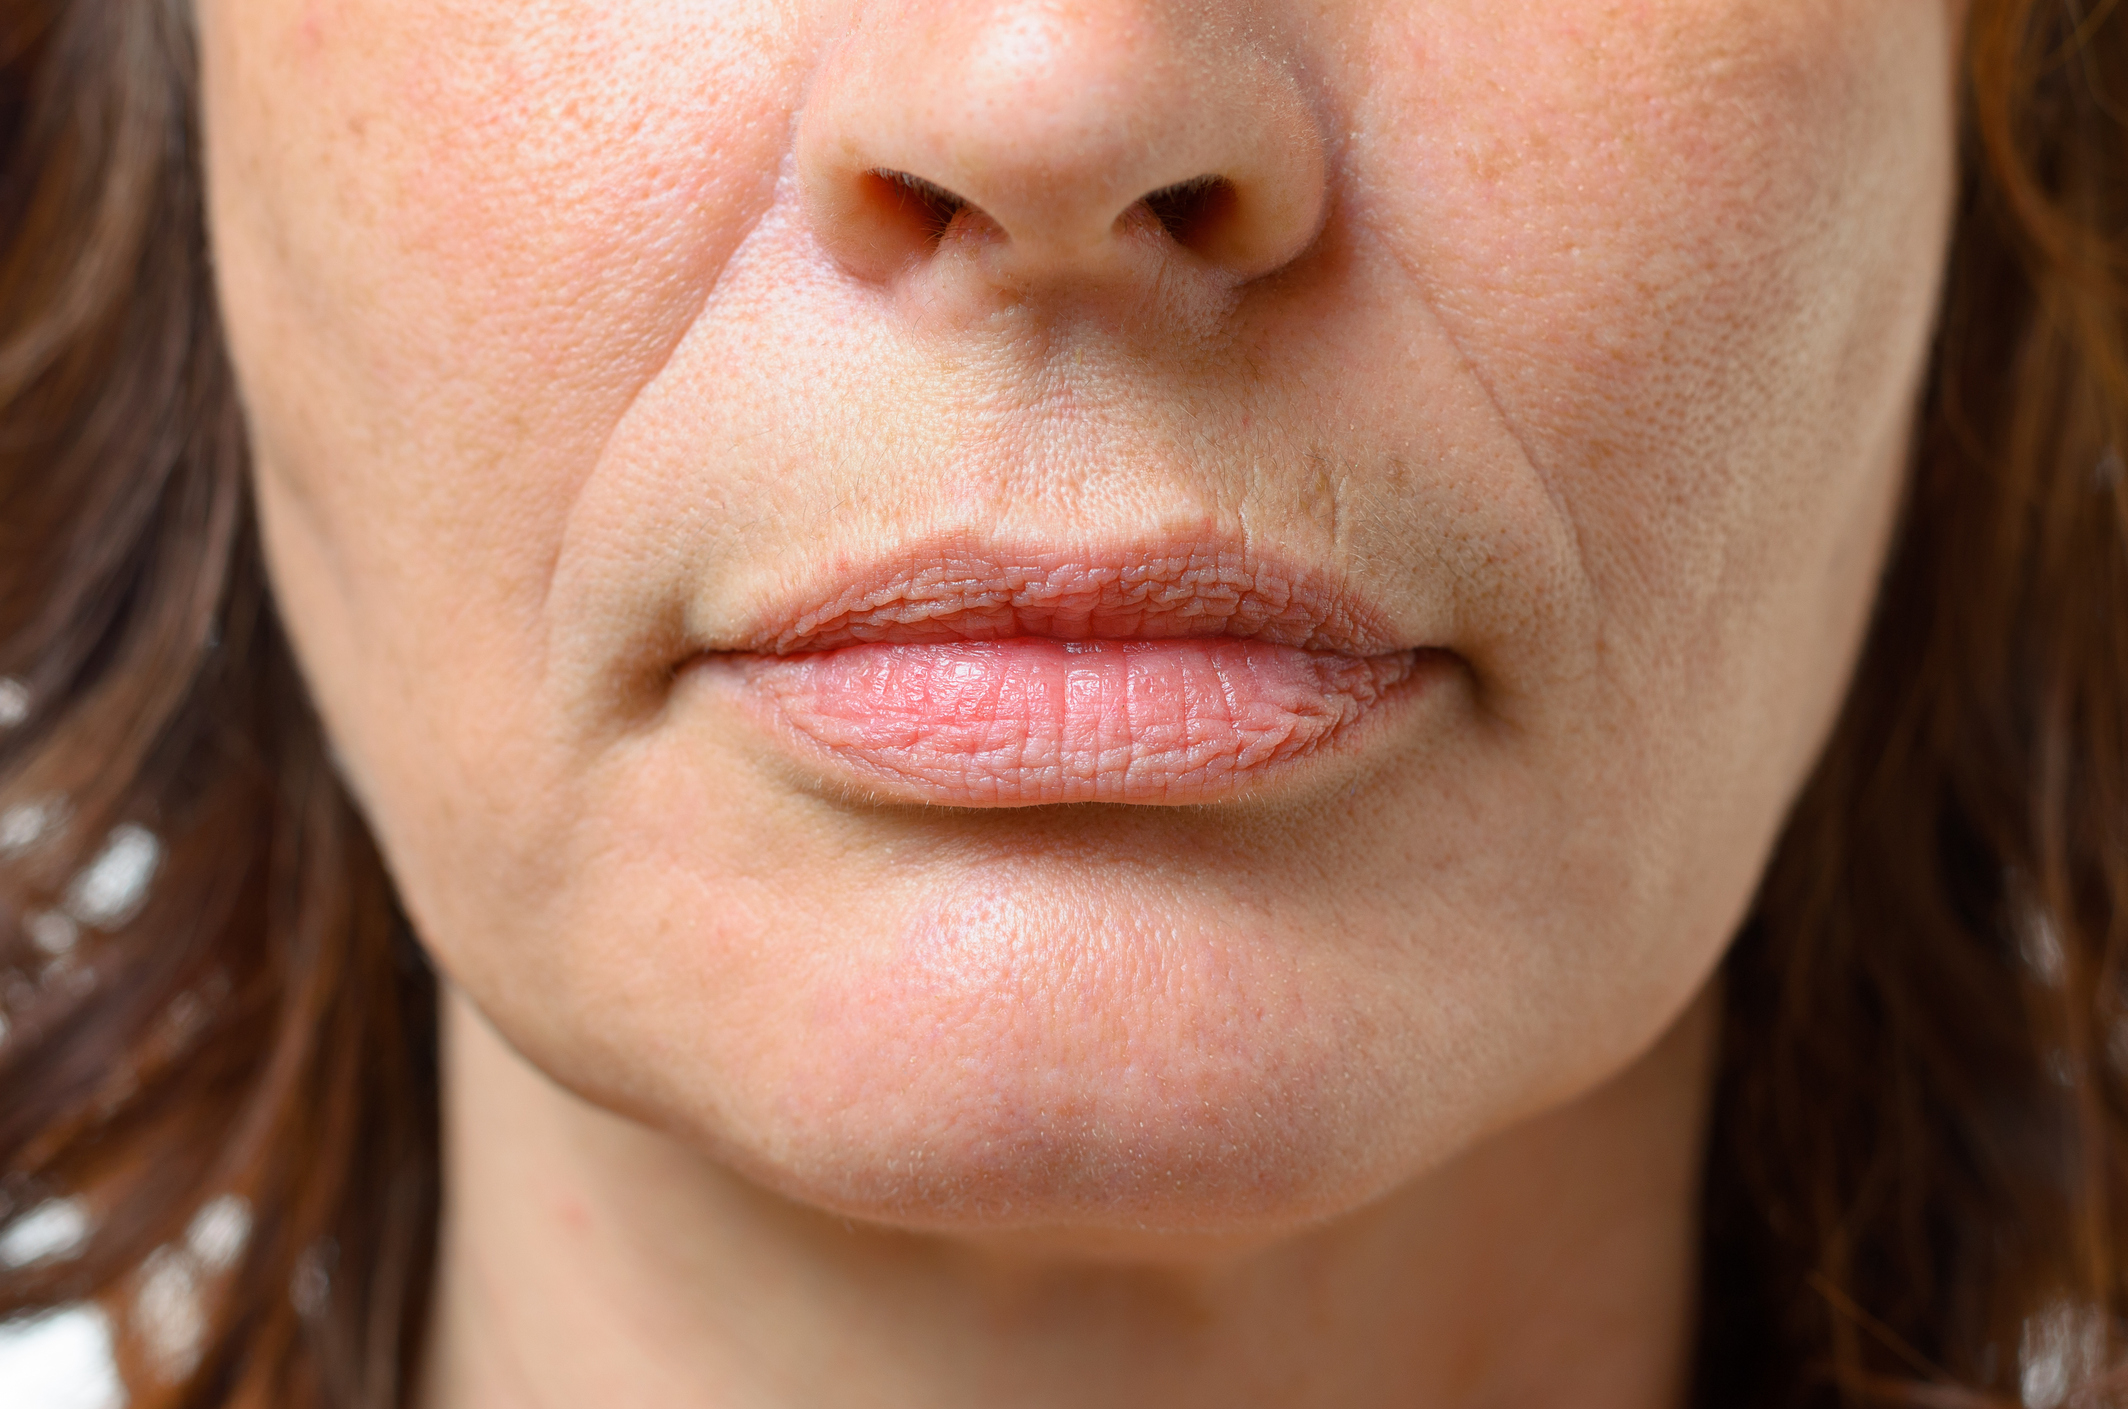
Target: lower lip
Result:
[1027, 722]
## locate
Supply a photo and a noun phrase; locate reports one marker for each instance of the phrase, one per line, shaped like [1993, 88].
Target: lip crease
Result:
[971, 679]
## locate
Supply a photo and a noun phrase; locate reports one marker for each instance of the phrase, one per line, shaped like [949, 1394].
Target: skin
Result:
[1579, 342]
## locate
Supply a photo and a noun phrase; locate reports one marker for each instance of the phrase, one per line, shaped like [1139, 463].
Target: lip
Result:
[960, 590]
[1185, 674]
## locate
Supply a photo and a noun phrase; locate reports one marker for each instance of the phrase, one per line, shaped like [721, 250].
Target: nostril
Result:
[1193, 211]
[1007, 151]
[922, 205]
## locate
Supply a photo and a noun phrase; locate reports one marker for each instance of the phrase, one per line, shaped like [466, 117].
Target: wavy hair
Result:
[1917, 1184]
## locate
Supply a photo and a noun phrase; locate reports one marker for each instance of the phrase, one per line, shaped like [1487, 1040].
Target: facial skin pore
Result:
[1543, 372]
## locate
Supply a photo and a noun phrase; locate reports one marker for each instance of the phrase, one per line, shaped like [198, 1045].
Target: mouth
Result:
[1171, 677]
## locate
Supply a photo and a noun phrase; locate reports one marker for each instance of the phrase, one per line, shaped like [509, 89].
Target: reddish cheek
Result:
[537, 196]
[489, 227]
[520, 207]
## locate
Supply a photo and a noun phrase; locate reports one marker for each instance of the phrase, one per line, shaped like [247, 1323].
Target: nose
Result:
[1051, 142]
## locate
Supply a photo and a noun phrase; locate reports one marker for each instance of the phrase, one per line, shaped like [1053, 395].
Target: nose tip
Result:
[1031, 143]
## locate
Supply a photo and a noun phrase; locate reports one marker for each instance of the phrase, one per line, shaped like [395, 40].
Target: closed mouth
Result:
[961, 592]
[1184, 675]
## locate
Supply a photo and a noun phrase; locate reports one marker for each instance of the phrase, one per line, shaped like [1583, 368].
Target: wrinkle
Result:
[1507, 427]
[713, 287]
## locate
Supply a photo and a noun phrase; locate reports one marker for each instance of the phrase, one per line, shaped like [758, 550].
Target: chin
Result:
[1058, 1060]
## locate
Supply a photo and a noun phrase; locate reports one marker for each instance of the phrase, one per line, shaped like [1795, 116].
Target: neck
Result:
[588, 1259]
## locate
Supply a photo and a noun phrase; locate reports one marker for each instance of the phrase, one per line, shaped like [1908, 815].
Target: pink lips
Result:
[1171, 678]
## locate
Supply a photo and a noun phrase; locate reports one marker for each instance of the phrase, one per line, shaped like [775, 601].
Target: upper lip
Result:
[967, 591]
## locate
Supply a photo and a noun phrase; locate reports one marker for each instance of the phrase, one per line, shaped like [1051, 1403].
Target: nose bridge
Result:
[1044, 127]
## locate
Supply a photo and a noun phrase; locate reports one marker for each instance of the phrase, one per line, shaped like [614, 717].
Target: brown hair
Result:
[1922, 1127]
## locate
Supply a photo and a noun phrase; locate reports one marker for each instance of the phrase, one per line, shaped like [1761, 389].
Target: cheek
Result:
[465, 236]
[1689, 252]
[453, 242]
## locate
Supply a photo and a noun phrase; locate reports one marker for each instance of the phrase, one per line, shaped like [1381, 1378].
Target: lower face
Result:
[1097, 750]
